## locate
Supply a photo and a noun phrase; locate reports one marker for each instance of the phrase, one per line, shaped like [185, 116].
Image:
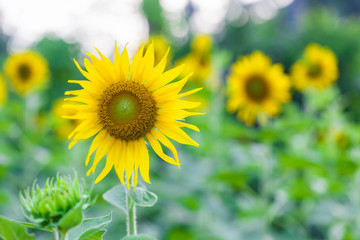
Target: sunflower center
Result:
[124, 107]
[24, 72]
[256, 88]
[314, 70]
[127, 110]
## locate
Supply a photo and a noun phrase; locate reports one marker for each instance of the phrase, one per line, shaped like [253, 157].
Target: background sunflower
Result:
[257, 88]
[317, 69]
[26, 71]
[3, 91]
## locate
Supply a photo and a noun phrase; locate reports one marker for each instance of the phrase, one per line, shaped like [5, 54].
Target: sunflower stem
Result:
[131, 213]
[60, 234]
[57, 234]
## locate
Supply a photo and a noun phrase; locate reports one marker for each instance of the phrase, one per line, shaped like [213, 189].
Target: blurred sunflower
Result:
[3, 93]
[198, 60]
[257, 88]
[63, 127]
[26, 71]
[318, 68]
[126, 105]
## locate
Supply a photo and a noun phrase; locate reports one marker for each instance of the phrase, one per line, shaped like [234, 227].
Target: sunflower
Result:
[198, 60]
[256, 88]
[26, 71]
[3, 93]
[317, 69]
[202, 45]
[126, 106]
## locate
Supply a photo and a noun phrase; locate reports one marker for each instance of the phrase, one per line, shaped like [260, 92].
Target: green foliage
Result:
[117, 197]
[12, 230]
[138, 237]
[91, 229]
[153, 12]
[140, 196]
[58, 205]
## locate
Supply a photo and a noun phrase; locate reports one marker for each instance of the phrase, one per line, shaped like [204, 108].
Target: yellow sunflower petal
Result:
[120, 164]
[121, 64]
[110, 160]
[101, 151]
[99, 139]
[166, 143]
[144, 160]
[166, 77]
[158, 150]
[176, 134]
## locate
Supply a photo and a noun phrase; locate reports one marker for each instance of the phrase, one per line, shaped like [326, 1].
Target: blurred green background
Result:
[295, 178]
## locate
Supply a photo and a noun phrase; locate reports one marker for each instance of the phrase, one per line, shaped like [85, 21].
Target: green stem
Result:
[131, 214]
[56, 233]
[60, 234]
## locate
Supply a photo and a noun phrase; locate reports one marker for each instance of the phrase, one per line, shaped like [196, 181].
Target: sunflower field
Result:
[180, 120]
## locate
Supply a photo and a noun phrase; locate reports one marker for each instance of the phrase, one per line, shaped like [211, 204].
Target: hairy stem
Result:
[131, 213]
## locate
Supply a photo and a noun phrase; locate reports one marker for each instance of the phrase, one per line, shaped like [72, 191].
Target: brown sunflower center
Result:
[127, 110]
[256, 88]
[24, 72]
[314, 70]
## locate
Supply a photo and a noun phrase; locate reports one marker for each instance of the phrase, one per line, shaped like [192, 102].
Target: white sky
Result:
[100, 23]
[91, 22]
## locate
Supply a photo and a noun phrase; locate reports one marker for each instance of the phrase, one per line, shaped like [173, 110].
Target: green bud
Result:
[60, 204]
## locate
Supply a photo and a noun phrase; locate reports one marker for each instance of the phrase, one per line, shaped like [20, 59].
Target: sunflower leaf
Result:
[117, 197]
[142, 197]
[90, 229]
[13, 230]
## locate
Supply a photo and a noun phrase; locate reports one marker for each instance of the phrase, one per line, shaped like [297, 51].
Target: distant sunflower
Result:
[126, 106]
[26, 71]
[198, 60]
[3, 92]
[202, 44]
[257, 88]
[318, 68]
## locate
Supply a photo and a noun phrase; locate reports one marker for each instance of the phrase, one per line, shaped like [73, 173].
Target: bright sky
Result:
[91, 22]
[99, 23]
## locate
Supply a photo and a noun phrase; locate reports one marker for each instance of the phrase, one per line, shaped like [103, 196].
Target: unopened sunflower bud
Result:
[60, 204]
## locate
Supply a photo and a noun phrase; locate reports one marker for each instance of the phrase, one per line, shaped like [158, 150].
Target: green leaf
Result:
[96, 236]
[72, 218]
[143, 197]
[91, 228]
[116, 197]
[12, 230]
[138, 237]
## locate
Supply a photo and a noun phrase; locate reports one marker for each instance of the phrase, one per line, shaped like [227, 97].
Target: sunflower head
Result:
[257, 88]
[202, 44]
[317, 69]
[124, 106]
[3, 92]
[26, 71]
[198, 61]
